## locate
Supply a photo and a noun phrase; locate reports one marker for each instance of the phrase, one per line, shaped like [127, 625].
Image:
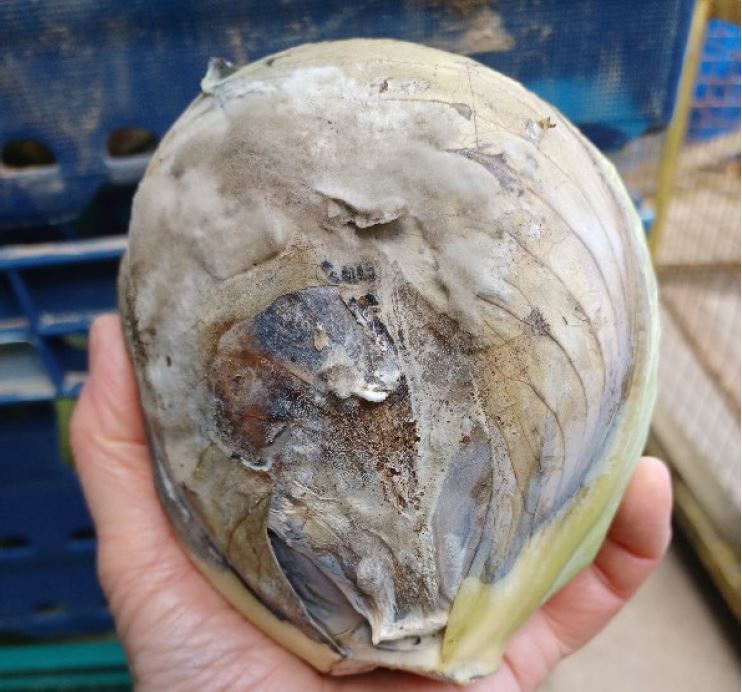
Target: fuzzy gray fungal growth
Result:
[395, 330]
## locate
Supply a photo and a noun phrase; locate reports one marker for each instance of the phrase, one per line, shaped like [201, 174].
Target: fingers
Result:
[636, 542]
[641, 530]
[108, 440]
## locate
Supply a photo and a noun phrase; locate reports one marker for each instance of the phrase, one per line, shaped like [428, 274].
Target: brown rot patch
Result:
[311, 388]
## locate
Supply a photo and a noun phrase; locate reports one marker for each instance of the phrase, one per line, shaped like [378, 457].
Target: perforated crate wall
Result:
[716, 98]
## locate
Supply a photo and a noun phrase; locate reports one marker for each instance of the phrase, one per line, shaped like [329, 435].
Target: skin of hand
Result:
[180, 634]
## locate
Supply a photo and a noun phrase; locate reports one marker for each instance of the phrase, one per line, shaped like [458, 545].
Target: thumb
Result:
[108, 442]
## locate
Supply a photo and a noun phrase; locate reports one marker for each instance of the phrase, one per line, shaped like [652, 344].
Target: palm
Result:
[180, 634]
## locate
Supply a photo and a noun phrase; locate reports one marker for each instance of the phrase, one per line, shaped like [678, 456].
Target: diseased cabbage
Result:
[395, 329]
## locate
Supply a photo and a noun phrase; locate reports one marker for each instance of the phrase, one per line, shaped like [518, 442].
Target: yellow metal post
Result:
[678, 127]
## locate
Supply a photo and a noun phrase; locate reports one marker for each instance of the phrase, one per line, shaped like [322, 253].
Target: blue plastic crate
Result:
[48, 585]
[76, 72]
[86, 89]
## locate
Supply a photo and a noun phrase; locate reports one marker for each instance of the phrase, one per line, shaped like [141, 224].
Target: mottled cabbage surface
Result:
[394, 326]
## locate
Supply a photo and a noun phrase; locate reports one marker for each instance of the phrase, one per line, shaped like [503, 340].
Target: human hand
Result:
[180, 634]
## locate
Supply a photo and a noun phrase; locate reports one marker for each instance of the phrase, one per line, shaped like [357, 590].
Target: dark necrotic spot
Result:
[348, 273]
[538, 322]
[366, 272]
[329, 271]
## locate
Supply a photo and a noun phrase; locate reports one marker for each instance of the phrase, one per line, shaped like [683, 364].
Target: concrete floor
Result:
[675, 636]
